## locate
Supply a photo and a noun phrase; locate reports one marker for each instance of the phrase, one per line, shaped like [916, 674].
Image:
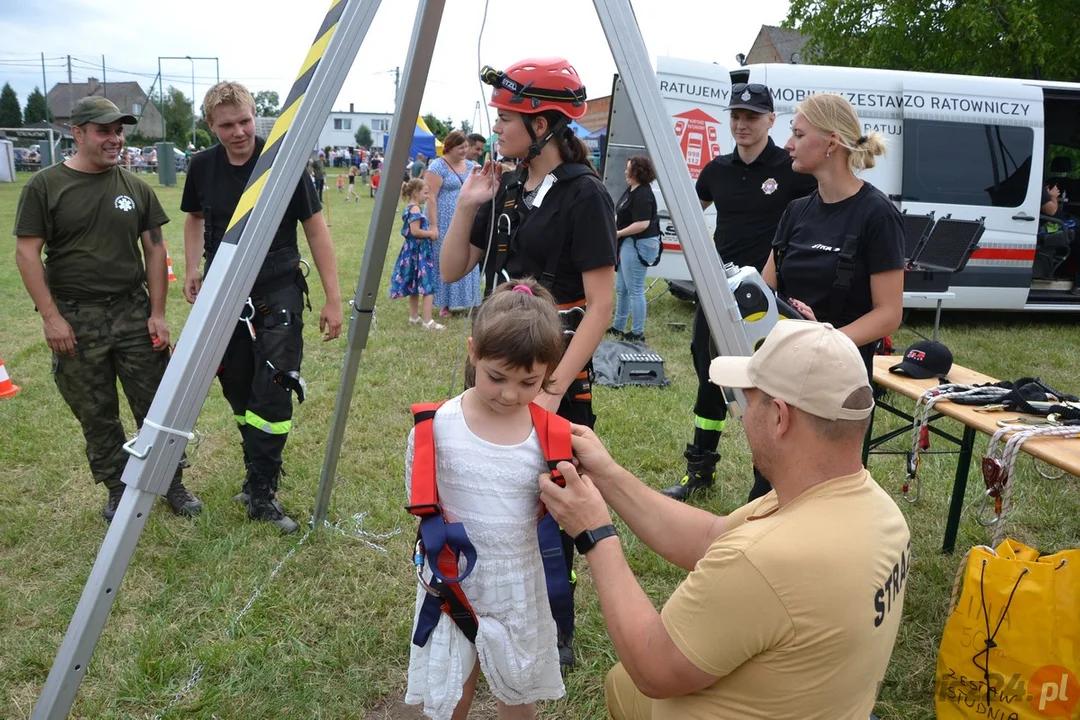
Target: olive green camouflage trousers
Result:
[113, 343]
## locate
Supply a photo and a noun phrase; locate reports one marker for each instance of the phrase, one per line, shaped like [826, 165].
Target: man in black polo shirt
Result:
[261, 366]
[751, 187]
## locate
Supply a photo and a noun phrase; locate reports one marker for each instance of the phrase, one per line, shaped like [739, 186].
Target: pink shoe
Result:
[444, 312]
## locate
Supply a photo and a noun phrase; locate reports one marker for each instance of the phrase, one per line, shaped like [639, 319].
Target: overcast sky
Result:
[265, 51]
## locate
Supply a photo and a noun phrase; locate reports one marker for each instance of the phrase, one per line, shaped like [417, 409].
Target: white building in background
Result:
[341, 126]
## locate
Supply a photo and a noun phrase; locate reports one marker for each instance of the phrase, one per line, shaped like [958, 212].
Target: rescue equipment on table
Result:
[1026, 395]
[999, 467]
[443, 544]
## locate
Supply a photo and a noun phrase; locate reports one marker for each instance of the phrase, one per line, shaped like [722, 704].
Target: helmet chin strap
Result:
[539, 143]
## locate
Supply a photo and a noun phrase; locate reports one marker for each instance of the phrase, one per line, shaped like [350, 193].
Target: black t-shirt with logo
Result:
[815, 233]
[214, 182]
[749, 201]
[635, 205]
[576, 219]
[91, 224]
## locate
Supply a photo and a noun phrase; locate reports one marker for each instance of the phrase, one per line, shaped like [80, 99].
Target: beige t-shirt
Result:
[795, 609]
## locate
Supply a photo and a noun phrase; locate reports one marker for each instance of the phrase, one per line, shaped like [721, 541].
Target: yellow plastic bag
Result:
[1011, 647]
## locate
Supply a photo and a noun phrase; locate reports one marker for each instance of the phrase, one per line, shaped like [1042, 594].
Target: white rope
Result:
[459, 356]
[920, 420]
[1006, 460]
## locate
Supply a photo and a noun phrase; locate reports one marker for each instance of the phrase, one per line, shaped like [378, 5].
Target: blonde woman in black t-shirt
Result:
[839, 252]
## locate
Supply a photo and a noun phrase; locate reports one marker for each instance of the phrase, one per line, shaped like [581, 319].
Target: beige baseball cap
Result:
[809, 365]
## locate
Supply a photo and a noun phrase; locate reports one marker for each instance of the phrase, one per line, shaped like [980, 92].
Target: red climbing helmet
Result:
[535, 85]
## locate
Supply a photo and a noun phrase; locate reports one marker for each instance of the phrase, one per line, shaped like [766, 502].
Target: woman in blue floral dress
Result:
[444, 178]
[415, 270]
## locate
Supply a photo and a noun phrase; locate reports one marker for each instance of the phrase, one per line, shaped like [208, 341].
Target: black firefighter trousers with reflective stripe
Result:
[261, 407]
[112, 343]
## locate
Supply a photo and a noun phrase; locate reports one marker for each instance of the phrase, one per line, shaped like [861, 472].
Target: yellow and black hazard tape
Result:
[261, 174]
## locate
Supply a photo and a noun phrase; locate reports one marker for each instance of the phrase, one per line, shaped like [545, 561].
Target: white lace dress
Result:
[492, 490]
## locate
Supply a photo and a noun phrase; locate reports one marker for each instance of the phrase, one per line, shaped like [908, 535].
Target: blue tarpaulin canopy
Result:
[422, 142]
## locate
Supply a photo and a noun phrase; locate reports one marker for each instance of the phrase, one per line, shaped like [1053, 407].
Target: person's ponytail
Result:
[572, 149]
[866, 149]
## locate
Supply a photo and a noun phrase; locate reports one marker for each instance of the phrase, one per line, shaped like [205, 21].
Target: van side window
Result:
[966, 163]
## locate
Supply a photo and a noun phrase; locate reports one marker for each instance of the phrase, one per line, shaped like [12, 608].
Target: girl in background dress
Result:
[414, 271]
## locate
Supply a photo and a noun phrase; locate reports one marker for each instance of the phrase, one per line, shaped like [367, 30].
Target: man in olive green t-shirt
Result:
[792, 603]
[90, 216]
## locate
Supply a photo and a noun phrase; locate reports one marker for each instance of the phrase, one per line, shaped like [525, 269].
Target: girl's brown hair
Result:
[572, 149]
[411, 188]
[522, 329]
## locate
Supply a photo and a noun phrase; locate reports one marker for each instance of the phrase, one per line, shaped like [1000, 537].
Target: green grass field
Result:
[328, 637]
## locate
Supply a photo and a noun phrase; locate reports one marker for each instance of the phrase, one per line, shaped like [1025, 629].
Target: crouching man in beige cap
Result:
[792, 602]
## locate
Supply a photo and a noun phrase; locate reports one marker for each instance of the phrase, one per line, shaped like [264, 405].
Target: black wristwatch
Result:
[587, 540]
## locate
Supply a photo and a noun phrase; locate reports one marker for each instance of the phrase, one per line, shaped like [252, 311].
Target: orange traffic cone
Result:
[7, 388]
[168, 264]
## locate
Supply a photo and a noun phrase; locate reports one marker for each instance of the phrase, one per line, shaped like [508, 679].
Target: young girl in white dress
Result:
[489, 461]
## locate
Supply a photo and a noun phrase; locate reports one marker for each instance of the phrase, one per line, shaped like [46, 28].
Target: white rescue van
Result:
[966, 147]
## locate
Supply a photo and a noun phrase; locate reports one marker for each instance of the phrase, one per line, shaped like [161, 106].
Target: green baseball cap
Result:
[99, 110]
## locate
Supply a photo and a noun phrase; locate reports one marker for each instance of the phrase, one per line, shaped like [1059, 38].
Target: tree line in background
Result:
[1002, 38]
[13, 116]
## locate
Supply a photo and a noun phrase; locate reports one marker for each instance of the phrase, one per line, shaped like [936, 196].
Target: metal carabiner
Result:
[418, 561]
[980, 512]
[307, 268]
[249, 307]
[918, 489]
[912, 474]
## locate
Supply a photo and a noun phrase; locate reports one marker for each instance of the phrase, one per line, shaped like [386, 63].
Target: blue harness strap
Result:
[560, 592]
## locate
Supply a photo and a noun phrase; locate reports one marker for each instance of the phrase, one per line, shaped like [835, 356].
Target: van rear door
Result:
[973, 148]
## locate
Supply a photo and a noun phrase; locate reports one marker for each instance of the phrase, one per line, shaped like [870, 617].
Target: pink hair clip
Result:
[523, 289]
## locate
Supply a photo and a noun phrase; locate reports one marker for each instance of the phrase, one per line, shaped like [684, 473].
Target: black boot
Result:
[262, 503]
[181, 500]
[115, 493]
[700, 473]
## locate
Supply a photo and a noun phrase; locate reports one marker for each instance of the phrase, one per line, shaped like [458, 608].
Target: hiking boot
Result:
[181, 500]
[272, 512]
[262, 504]
[566, 649]
[617, 334]
[634, 337]
[700, 473]
[115, 493]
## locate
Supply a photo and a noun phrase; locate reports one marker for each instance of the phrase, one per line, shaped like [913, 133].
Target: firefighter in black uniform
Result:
[750, 187]
[553, 220]
[261, 366]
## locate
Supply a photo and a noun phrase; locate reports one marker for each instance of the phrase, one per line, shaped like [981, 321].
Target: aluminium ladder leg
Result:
[182, 392]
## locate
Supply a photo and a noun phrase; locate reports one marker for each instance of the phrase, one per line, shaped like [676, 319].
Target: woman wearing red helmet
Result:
[551, 219]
